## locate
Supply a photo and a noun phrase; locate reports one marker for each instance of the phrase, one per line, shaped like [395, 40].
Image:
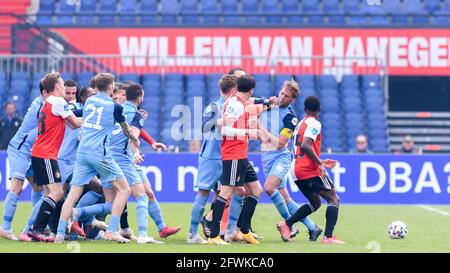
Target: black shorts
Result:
[45, 171]
[315, 184]
[237, 172]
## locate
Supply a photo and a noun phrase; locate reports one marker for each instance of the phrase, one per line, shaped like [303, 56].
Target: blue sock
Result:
[9, 210]
[97, 209]
[89, 220]
[234, 211]
[62, 225]
[33, 215]
[35, 197]
[280, 204]
[90, 198]
[197, 212]
[155, 212]
[113, 223]
[309, 224]
[292, 206]
[142, 214]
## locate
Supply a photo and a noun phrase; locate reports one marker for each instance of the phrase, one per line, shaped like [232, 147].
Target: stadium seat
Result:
[373, 10]
[352, 7]
[47, 6]
[357, 20]
[327, 81]
[83, 78]
[400, 20]
[431, 5]
[393, 7]
[66, 8]
[130, 77]
[350, 81]
[250, 7]
[332, 7]
[189, 10]
[305, 81]
[291, 8]
[328, 92]
[306, 92]
[310, 6]
[128, 11]
[371, 81]
[379, 145]
[439, 20]
[19, 76]
[107, 8]
[169, 11]
[330, 104]
[148, 11]
[210, 11]
[413, 7]
[379, 20]
[350, 92]
[334, 20]
[269, 7]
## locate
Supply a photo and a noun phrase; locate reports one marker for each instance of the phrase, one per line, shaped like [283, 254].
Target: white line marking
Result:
[429, 208]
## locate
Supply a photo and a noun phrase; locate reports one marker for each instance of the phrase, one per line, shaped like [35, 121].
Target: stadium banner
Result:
[286, 50]
[359, 179]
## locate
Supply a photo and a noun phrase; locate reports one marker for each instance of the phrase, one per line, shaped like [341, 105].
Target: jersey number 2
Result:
[94, 110]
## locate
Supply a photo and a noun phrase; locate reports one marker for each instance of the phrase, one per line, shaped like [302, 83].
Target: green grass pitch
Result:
[363, 228]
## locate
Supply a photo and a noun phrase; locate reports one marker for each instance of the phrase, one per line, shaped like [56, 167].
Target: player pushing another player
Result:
[310, 174]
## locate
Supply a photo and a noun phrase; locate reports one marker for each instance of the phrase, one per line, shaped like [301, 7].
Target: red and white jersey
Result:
[51, 128]
[304, 167]
[235, 147]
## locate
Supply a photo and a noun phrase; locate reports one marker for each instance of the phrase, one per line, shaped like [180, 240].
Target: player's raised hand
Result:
[143, 113]
[138, 158]
[273, 101]
[329, 163]
[262, 135]
[323, 172]
[159, 145]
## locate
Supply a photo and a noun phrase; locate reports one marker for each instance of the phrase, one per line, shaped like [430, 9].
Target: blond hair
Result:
[293, 86]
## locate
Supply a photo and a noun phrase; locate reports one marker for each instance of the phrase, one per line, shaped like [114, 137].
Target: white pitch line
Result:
[430, 208]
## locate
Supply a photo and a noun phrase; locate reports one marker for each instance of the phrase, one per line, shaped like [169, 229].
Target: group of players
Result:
[84, 172]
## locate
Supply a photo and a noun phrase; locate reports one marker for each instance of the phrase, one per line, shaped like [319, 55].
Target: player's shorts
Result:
[66, 168]
[128, 168]
[88, 166]
[209, 173]
[237, 172]
[276, 163]
[141, 174]
[19, 163]
[314, 184]
[46, 171]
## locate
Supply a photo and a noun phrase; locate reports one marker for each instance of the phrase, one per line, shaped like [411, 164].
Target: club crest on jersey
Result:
[294, 121]
[230, 110]
[141, 122]
[57, 174]
[315, 131]
[66, 107]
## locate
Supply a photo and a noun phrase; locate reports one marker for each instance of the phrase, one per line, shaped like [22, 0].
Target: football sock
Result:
[197, 212]
[331, 216]
[292, 206]
[45, 211]
[35, 197]
[155, 212]
[218, 209]
[62, 225]
[9, 210]
[247, 212]
[33, 215]
[113, 223]
[279, 203]
[142, 214]
[124, 217]
[54, 218]
[86, 212]
[301, 213]
[235, 209]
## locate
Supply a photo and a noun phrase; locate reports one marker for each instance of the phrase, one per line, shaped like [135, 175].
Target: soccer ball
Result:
[397, 230]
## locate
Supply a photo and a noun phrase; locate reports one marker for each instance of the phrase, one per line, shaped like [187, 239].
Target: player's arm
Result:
[231, 115]
[62, 109]
[155, 145]
[120, 118]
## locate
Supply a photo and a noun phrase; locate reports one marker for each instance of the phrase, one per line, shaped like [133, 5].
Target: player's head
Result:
[227, 84]
[41, 88]
[118, 94]
[104, 82]
[288, 93]
[135, 93]
[53, 84]
[84, 93]
[237, 71]
[246, 84]
[312, 105]
[10, 109]
[361, 143]
[71, 90]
